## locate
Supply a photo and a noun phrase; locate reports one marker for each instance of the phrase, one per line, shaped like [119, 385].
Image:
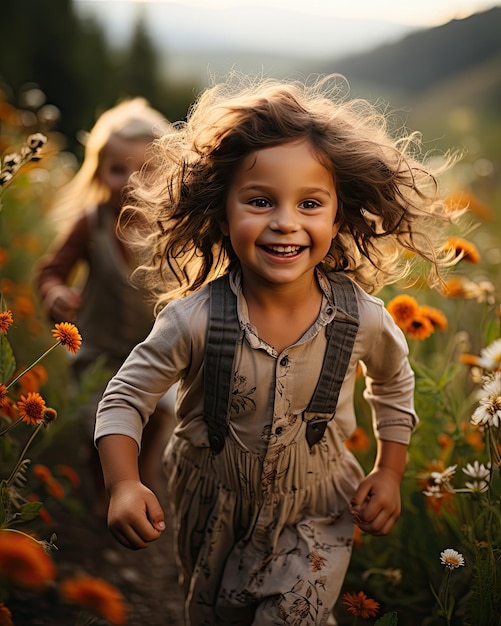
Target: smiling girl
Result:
[279, 208]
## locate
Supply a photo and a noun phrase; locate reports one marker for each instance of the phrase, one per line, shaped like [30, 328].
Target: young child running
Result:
[111, 314]
[279, 207]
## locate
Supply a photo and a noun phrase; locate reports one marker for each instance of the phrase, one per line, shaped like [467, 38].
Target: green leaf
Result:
[29, 511]
[7, 360]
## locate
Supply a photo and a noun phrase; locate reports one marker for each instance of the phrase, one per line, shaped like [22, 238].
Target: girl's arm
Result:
[59, 300]
[376, 505]
[135, 516]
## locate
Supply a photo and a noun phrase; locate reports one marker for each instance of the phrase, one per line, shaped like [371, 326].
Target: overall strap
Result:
[221, 342]
[340, 333]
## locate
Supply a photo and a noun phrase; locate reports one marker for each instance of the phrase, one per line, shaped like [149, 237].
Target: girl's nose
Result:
[284, 219]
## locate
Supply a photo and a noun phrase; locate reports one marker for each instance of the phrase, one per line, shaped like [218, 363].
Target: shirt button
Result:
[278, 430]
[284, 361]
[329, 310]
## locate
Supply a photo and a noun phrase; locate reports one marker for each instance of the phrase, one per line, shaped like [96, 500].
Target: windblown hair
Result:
[130, 119]
[389, 200]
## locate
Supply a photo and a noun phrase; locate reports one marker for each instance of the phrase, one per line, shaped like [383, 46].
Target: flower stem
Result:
[11, 426]
[12, 382]
[23, 453]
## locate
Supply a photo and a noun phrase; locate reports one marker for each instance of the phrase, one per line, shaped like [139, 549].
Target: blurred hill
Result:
[446, 80]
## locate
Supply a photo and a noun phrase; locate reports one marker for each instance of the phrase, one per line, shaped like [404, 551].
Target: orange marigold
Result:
[42, 472]
[31, 408]
[54, 488]
[463, 248]
[436, 317]
[96, 595]
[23, 562]
[5, 321]
[420, 327]
[403, 309]
[69, 473]
[5, 616]
[359, 441]
[360, 605]
[3, 395]
[67, 334]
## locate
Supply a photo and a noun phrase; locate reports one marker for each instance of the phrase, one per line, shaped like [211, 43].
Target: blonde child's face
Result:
[281, 212]
[118, 160]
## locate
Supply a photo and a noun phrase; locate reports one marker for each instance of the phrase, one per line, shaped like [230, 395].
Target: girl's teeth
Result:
[284, 249]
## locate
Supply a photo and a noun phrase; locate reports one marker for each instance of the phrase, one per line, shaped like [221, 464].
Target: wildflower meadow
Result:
[441, 565]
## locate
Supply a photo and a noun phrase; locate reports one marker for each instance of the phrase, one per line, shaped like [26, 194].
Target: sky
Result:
[416, 12]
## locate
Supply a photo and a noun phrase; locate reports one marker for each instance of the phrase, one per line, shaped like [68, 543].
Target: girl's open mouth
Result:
[284, 251]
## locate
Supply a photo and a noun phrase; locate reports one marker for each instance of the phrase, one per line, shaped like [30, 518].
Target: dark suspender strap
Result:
[222, 337]
[341, 334]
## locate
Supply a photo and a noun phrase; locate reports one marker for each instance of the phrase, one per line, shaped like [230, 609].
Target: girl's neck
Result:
[282, 314]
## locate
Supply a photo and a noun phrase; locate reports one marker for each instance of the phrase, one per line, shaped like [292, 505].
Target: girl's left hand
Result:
[376, 506]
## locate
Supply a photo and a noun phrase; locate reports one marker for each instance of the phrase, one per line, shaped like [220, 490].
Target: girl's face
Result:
[281, 212]
[118, 160]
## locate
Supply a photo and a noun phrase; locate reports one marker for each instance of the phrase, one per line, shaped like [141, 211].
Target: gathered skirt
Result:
[262, 541]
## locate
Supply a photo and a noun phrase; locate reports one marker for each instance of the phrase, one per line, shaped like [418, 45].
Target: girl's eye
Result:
[261, 203]
[309, 204]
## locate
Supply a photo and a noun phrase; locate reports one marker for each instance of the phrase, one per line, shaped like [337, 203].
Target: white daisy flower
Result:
[490, 357]
[444, 478]
[477, 470]
[477, 486]
[451, 559]
[488, 413]
[434, 491]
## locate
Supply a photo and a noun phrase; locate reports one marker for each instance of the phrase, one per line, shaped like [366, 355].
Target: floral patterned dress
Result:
[262, 530]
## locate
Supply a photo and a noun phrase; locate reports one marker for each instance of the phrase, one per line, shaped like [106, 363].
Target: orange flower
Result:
[54, 488]
[42, 472]
[31, 408]
[24, 306]
[465, 199]
[5, 321]
[3, 256]
[445, 441]
[23, 562]
[463, 249]
[420, 327]
[96, 595]
[45, 516]
[67, 334]
[3, 395]
[360, 605]
[359, 441]
[69, 473]
[357, 536]
[436, 317]
[34, 378]
[403, 309]
[5, 616]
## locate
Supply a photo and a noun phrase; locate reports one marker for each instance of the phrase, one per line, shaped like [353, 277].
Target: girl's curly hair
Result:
[389, 200]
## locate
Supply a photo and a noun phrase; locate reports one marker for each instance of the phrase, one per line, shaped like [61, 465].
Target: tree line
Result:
[45, 45]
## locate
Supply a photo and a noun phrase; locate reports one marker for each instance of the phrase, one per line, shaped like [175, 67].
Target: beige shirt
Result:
[270, 390]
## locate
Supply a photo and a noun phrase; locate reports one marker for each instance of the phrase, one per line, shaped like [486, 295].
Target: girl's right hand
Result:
[135, 516]
[63, 302]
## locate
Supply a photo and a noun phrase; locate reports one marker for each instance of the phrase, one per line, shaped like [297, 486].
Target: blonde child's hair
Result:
[132, 119]
[389, 200]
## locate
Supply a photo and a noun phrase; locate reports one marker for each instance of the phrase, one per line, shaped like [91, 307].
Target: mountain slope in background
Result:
[424, 59]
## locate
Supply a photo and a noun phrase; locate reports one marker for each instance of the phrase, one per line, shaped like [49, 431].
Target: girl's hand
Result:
[375, 507]
[135, 516]
[63, 302]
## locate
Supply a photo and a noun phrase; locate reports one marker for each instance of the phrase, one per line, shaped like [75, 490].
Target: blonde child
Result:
[303, 204]
[110, 313]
